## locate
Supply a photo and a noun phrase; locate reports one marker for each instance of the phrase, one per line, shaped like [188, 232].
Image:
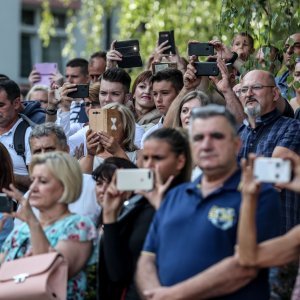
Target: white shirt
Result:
[152, 129]
[7, 139]
[85, 205]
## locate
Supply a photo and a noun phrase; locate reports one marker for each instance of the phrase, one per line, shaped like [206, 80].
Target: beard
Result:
[254, 111]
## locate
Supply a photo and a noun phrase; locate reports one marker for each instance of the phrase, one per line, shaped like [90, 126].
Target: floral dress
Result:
[73, 227]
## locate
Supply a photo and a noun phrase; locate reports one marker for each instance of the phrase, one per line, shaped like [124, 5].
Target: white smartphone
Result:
[273, 170]
[134, 179]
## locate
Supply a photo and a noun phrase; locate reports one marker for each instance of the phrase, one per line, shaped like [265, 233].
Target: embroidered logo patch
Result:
[222, 217]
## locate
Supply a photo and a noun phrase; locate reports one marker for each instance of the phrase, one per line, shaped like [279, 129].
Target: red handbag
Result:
[37, 277]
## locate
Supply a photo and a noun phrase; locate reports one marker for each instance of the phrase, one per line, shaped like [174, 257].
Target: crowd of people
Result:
[207, 228]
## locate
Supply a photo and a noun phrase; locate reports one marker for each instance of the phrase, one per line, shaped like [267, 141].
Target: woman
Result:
[6, 178]
[56, 182]
[144, 107]
[188, 102]
[166, 151]
[101, 145]
[39, 93]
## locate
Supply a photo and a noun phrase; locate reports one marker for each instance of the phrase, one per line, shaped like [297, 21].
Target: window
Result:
[32, 50]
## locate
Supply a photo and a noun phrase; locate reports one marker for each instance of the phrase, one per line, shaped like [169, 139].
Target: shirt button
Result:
[251, 144]
[254, 131]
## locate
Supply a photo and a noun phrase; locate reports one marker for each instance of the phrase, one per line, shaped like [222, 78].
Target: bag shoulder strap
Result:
[19, 137]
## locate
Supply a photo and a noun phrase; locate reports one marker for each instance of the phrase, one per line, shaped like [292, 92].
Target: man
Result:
[166, 85]
[97, 65]
[196, 225]
[49, 137]
[290, 52]
[10, 105]
[266, 132]
[114, 88]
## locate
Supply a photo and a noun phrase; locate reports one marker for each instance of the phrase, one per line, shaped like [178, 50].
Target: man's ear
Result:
[276, 93]
[17, 103]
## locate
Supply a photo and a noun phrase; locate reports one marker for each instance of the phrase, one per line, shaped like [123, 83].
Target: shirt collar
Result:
[232, 183]
[265, 119]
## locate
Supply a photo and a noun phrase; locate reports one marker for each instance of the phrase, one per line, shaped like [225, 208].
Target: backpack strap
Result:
[19, 138]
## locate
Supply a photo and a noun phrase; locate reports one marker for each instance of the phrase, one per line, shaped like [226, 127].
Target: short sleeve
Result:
[78, 228]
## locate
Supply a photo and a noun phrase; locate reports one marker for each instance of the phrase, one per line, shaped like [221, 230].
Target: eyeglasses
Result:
[254, 88]
[88, 104]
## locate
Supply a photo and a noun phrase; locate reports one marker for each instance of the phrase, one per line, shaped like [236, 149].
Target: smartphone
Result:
[46, 70]
[200, 49]
[273, 170]
[135, 179]
[7, 205]
[167, 36]
[207, 68]
[156, 67]
[82, 91]
[131, 53]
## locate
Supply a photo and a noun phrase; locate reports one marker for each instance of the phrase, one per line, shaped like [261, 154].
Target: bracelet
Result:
[51, 111]
[233, 58]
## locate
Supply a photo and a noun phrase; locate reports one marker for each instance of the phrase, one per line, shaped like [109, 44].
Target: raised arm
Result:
[274, 252]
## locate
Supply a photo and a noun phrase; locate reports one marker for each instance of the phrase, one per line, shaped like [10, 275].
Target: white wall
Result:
[10, 38]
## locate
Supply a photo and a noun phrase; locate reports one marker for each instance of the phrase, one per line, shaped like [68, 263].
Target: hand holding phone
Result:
[46, 71]
[164, 36]
[130, 51]
[81, 92]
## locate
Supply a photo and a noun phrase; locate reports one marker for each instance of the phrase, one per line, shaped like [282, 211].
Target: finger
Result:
[158, 178]
[168, 182]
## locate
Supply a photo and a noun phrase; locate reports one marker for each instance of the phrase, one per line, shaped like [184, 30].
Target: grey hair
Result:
[35, 88]
[47, 129]
[213, 110]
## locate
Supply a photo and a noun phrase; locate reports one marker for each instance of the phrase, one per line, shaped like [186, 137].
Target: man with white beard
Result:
[267, 133]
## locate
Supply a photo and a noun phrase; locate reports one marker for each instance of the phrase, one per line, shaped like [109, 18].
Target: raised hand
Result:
[250, 186]
[156, 195]
[113, 56]
[25, 213]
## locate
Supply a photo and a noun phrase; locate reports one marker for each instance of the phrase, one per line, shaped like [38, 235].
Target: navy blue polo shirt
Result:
[190, 233]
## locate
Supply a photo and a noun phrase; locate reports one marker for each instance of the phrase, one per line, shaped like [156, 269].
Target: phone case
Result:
[206, 69]
[134, 179]
[6, 203]
[200, 49]
[82, 91]
[45, 70]
[131, 54]
[106, 120]
[272, 170]
[167, 35]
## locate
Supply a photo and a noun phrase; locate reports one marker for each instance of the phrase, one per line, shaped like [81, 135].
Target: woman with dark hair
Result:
[6, 178]
[143, 104]
[125, 226]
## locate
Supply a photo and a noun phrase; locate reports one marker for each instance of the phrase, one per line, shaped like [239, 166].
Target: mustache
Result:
[250, 99]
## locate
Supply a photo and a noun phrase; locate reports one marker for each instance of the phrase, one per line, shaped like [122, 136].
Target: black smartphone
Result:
[82, 91]
[131, 53]
[200, 49]
[206, 69]
[167, 36]
[7, 205]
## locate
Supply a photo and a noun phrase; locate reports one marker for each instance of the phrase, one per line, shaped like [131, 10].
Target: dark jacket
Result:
[120, 247]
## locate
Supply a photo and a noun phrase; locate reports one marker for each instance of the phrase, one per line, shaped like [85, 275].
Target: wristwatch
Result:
[233, 58]
[51, 111]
